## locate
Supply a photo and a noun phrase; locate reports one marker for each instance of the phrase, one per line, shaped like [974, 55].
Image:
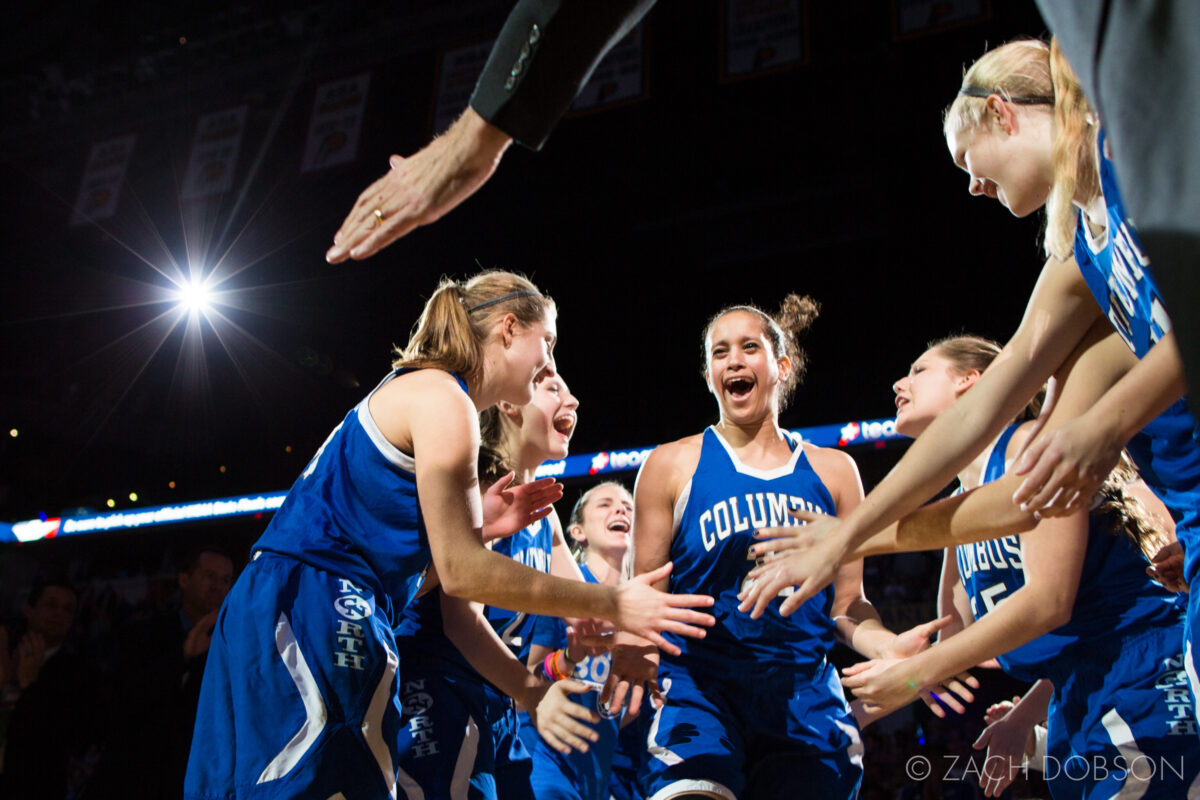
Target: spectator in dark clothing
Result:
[158, 686]
[52, 723]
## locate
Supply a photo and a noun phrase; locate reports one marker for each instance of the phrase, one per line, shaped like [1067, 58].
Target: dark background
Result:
[830, 178]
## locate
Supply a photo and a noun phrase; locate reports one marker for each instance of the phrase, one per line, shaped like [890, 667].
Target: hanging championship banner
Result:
[762, 36]
[214, 153]
[619, 78]
[920, 17]
[100, 188]
[333, 130]
[458, 72]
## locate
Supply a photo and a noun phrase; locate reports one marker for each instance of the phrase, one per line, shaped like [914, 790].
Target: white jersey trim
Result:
[460, 782]
[763, 474]
[681, 506]
[1099, 241]
[372, 726]
[386, 449]
[315, 714]
[1134, 787]
[855, 750]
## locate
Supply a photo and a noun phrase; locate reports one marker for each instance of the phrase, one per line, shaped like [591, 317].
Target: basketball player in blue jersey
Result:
[757, 710]
[1022, 130]
[300, 691]
[443, 693]
[599, 528]
[1075, 608]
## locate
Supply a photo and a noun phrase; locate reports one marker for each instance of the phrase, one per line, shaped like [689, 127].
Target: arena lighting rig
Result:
[876, 432]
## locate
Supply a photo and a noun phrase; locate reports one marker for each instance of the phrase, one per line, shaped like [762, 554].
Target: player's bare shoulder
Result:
[426, 397]
[675, 460]
[838, 472]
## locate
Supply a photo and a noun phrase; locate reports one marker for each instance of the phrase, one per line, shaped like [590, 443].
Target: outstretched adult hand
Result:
[507, 510]
[560, 720]
[885, 684]
[1064, 468]
[806, 556]
[633, 672]
[952, 693]
[646, 612]
[420, 189]
[1167, 567]
[1008, 740]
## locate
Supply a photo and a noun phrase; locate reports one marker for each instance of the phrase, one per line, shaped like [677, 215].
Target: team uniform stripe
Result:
[314, 705]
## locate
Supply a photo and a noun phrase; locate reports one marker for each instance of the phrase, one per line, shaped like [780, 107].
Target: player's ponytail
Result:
[1126, 512]
[1074, 155]
[1031, 72]
[795, 316]
[457, 318]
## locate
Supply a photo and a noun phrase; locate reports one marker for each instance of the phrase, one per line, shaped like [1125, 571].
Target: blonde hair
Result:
[1126, 514]
[578, 548]
[795, 316]
[458, 316]
[966, 353]
[1031, 71]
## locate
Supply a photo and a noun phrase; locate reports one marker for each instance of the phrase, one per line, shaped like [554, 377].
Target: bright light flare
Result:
[194, 297]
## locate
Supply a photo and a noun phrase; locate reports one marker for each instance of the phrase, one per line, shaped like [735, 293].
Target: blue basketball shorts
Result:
[1122, 722]
[577, 775]
[298, 699]
[751, 730]
[460, 737]
[1191, 645]
[627, 758]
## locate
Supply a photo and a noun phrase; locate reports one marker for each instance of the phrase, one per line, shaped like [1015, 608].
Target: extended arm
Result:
[542, 58]
[558, 720]
[1010, 740]
[441, 422]
[1060, 313]
[1065, 467]
[635, 661]
[804, 555]
[1053, 559]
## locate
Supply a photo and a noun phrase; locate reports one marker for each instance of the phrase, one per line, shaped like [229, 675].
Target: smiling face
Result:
[743, 371]
[607, 520]
[1007, 156]
[527, 354]
[549, 419]
[931, 386]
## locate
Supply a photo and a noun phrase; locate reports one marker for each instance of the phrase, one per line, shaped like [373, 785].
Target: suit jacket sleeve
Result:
[544, 55]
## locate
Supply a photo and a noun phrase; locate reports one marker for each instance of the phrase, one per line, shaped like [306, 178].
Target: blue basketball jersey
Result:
[354, 512]
[716, 516]
[1115, 597]
[533, 547]
[1118, 273]
[420, 632]
[578, 776]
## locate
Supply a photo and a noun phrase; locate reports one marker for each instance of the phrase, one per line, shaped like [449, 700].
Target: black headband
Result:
[502, 298]
[977, 91]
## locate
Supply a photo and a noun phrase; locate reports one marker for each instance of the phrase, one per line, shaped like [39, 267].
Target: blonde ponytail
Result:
[1073, 157]
[456, 320]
